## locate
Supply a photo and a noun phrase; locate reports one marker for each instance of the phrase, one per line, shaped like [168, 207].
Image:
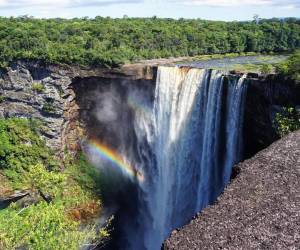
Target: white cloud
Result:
[229, 3]
[10, 4]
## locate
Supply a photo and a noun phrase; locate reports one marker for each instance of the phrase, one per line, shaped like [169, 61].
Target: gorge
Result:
[186, 112]
[165, 138]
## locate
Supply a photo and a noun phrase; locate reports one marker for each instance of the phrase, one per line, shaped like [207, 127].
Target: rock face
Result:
[265, 97]
[29, 90]
[260, 209]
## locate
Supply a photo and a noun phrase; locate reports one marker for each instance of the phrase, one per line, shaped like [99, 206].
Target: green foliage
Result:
[49, 182]
[287, 121]
[291, 67]
[22, 147]
[49, 108]
[85, 174]
[38, 87]
[110, 42]
[27, 164]
[43, 226]
[2, 98]
[266, 69]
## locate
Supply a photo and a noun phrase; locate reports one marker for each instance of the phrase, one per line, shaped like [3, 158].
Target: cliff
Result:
[258, 210]
[62, 96]
[45, 92]
[266, 95]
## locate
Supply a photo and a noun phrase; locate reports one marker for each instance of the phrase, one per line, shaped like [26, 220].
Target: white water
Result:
[194, 136]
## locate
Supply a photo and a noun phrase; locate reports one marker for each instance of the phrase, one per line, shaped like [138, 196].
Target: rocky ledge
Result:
[260, 209]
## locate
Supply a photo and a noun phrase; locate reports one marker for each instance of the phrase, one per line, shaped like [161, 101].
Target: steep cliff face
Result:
[45, 93]
[30, 90]
[265, 97]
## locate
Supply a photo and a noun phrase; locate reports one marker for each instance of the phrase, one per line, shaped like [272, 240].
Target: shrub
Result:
[2, 98]
[38, 87]
[49, 182]
[21, 147]
[266, 69]
[290, 67]
[49, 108]
[287, 121]
[85, 174]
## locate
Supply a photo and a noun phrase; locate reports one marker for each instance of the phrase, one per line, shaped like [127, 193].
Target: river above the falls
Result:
[242, 63]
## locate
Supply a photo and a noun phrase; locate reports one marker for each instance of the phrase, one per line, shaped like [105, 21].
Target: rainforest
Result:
[110, 42]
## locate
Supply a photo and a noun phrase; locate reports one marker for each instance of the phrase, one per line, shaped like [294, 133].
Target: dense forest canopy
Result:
[109, 42]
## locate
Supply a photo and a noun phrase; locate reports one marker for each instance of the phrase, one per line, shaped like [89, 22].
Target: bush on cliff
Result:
[287, 121]
[22, 147]
[266, 69]
[43, 226]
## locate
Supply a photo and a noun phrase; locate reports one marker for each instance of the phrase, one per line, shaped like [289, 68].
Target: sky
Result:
[226, 10]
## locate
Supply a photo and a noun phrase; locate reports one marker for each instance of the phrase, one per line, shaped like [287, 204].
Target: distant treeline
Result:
[109, 42]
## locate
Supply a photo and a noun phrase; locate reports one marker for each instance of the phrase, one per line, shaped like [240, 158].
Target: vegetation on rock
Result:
[62, 204]
[287, 121]
[266, 69]
[38, 87]
[110, 42]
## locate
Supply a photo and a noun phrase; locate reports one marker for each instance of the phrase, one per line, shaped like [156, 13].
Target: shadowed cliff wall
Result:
[265, 97]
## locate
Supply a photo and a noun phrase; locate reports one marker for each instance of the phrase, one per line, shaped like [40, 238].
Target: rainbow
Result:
[112, 156]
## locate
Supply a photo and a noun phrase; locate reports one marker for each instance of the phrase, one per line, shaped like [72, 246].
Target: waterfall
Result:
[196, 126]
[187, 139]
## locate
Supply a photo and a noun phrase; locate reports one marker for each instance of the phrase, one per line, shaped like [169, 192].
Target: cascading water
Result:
[187, 143]
[197, 125]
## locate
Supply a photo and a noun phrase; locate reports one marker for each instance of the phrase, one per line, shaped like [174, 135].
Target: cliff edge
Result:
[260, 209]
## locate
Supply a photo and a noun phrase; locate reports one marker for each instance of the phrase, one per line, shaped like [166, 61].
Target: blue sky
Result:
[204, 9]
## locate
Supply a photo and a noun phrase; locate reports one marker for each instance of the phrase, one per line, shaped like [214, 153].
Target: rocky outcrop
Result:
[260, 209]
[29, 90]
[6, 201]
